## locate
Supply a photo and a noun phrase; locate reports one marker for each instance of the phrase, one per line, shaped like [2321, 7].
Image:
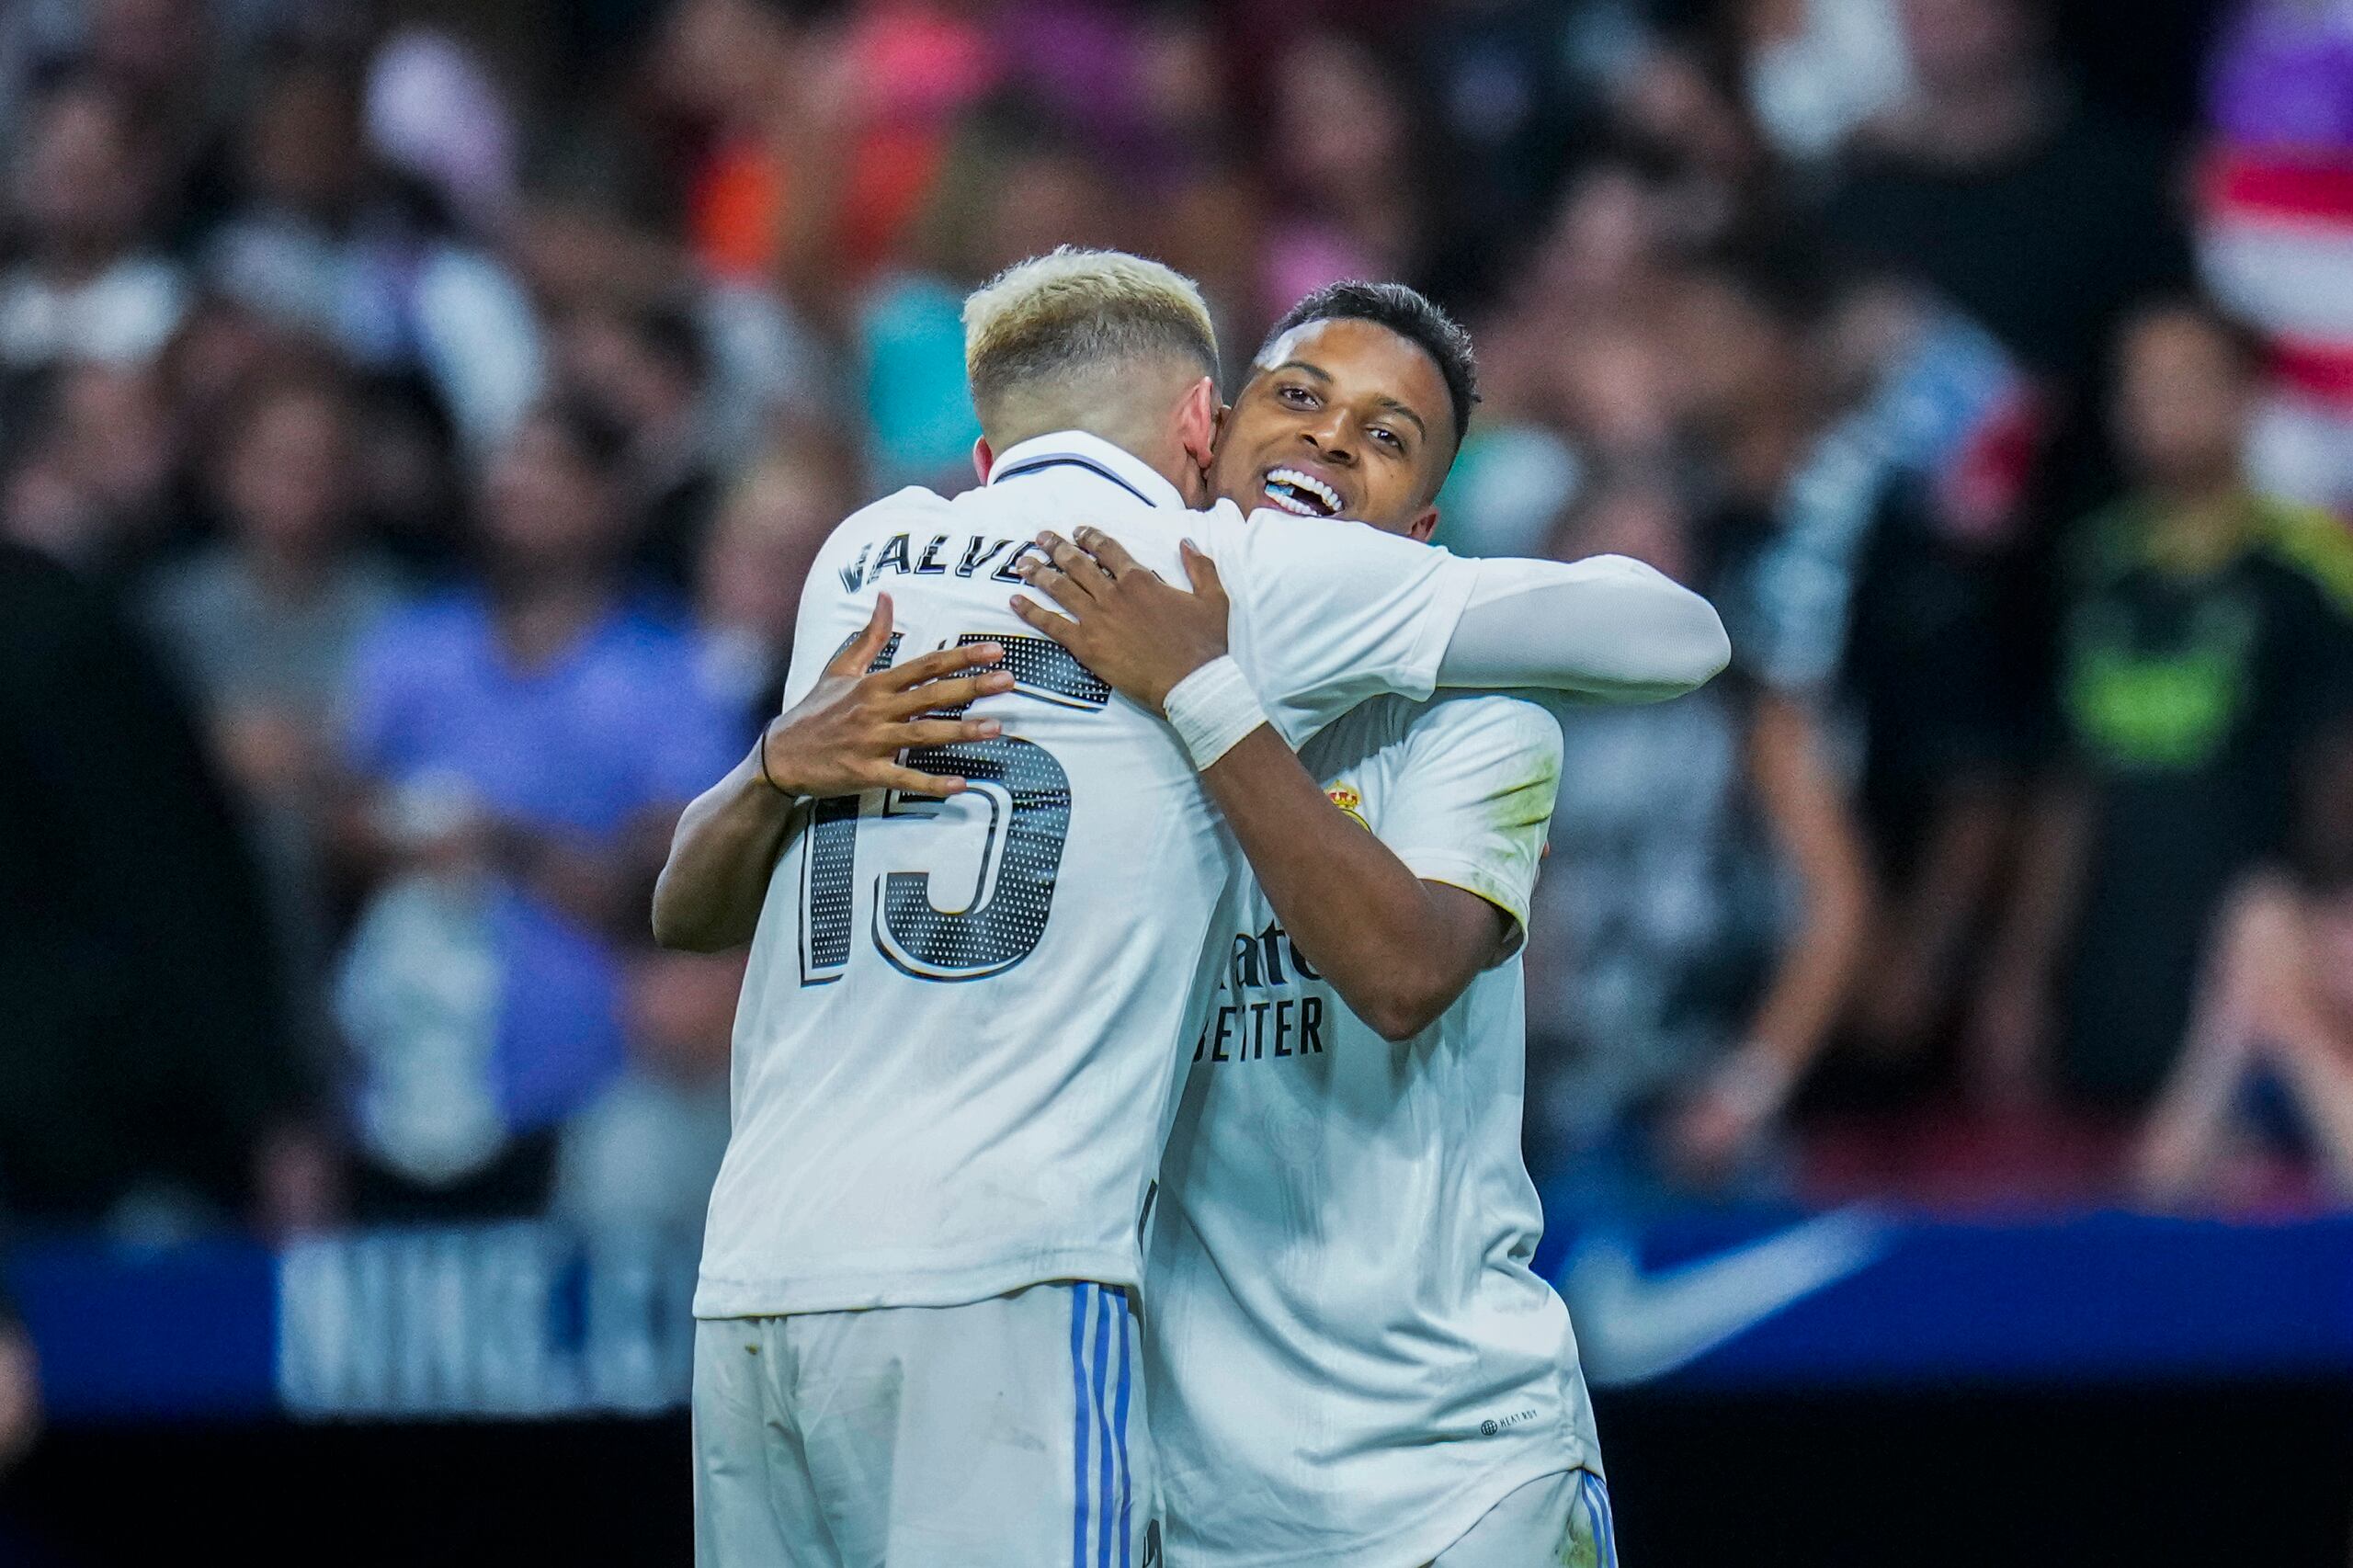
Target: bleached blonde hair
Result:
[1058, 330]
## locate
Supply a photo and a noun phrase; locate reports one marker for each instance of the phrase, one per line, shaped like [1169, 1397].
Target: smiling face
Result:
[1340, 419]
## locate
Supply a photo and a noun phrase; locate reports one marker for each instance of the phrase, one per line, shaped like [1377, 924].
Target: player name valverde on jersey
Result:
[970, 557]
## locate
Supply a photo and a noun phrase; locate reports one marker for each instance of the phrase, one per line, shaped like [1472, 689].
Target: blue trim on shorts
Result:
[1126, 1481]
[1596, 1492]
[1103, 1416]
[1078, 1427]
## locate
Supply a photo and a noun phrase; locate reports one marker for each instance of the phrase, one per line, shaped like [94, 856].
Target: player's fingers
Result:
[946, 732]
[1051, 581]
[1075, 563]
[1108, 552]
[950, 693]
[1032, 614]
[861, 651]
[1202, 573]
[907, 781]
[938, 663]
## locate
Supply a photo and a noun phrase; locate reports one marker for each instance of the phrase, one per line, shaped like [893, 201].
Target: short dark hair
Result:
[1406, 312]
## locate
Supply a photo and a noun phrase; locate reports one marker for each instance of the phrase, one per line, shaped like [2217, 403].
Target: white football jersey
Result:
[959, 1040]
[1350, 1358]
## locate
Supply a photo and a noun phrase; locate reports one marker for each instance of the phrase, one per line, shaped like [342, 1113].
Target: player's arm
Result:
[1328, 613]
[1398, 949]
[844, 738]
[1606, 627]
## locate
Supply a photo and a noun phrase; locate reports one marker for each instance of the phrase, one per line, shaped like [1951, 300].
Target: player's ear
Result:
[1196, 422]
[984, 459]
[1423, 526]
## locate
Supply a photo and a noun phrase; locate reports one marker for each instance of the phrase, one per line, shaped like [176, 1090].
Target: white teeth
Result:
[1314, 486]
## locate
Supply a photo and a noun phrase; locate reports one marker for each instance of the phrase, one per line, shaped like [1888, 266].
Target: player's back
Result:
[956, 1043]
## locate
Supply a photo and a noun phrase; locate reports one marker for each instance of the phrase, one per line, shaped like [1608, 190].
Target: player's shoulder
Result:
[1459, 730]
[1502, 719]
[910, 508]
[908, 517]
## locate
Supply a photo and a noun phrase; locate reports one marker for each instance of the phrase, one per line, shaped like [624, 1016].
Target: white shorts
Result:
[1560, 1519]
[1009, 1431]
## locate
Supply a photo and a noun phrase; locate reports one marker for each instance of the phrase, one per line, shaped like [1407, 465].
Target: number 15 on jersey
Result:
[1026, 795]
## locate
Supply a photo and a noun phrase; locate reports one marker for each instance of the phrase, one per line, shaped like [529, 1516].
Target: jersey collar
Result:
[1075, 450]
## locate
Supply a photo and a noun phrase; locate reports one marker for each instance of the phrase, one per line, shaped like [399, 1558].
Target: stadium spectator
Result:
[81, 285]
[150, 1078]
[2268, 1069]
[283, 246]
[1700, 917]
[1884, 592]
[748, 581]
[262, 625]
[525, 740]
[593, 238]
[649, 371]
[100, 472]
[644, 1154]
[1014, 192]
[2209, 633]
[1351, 171]
[1817, 70]
[2037, 218]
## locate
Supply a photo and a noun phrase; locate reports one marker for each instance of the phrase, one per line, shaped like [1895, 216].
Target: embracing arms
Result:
[844, 738]
[1398, 949]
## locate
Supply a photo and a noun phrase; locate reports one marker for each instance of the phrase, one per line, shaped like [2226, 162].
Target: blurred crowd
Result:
[416, 418]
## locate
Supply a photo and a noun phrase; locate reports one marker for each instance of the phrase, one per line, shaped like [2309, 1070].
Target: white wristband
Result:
[1212, 709]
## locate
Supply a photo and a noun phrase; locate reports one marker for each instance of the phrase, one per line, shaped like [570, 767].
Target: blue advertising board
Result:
[529, 1321]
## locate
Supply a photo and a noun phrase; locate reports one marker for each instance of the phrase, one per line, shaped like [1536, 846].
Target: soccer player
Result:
[1351, 1362]
[957, 1051]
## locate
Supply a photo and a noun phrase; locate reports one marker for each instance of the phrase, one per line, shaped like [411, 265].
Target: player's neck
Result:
[1160, 452]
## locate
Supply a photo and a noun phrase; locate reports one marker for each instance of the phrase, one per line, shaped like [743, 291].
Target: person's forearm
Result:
[1818, 836]
[1606, 627]
[1383, 938]
[709, 895]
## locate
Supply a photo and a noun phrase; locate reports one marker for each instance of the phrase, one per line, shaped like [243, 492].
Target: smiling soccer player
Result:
[1351, 1362]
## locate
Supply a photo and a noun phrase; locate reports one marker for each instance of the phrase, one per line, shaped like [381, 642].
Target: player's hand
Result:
[1122, 621]
[845, 737]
